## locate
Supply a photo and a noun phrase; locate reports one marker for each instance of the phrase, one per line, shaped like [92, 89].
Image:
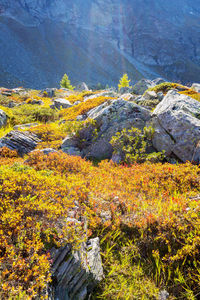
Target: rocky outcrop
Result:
[196, 87]
[76, 273]
[176, 120]
[109, 119]
[142, 85]
[82, 87]
[22, 142]
[3, 118]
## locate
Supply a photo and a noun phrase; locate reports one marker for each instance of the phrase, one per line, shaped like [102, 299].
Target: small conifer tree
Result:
[65, 83]
[124, 82]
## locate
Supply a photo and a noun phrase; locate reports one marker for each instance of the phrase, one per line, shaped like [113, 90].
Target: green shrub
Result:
[133, 145]
[28, 113]
[4, 101]
[166, 86]
[44, 114]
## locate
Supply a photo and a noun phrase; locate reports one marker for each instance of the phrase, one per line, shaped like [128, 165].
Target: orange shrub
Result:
[33, 210]
[70, 114]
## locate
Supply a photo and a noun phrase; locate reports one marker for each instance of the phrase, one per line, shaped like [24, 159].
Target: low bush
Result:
[166, 86]
[4, 101]
[152, 210]
[33, 210]
[134, 145]
[28, 113]
[70, 114]
[51, 134]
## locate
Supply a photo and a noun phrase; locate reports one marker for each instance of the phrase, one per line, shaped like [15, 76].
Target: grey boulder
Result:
[50, 92]
[150, 95]
[176, 120]
[70, 146]
[142, 85]
[61, 103]
[111, 118]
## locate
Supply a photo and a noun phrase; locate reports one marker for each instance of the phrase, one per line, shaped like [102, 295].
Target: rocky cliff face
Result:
[98, 40]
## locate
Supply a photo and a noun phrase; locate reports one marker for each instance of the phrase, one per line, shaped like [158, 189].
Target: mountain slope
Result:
[98, 40]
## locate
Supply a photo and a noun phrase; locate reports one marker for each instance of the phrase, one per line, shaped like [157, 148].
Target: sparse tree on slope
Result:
[124, 82]
[65, 83]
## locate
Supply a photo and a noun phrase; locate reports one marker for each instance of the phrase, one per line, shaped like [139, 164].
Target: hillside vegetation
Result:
[146, 215]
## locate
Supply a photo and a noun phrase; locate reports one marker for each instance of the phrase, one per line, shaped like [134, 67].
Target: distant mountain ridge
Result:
[98, 40]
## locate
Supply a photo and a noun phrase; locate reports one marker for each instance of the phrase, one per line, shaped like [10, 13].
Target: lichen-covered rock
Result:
[22, 142]
[76, 273]
[177, 124]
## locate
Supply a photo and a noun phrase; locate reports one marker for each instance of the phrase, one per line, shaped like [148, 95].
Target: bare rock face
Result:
[76, 273]
[176, 120]
[96, 41]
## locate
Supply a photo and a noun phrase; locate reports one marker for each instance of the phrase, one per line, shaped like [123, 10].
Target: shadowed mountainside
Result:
[96, 41]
